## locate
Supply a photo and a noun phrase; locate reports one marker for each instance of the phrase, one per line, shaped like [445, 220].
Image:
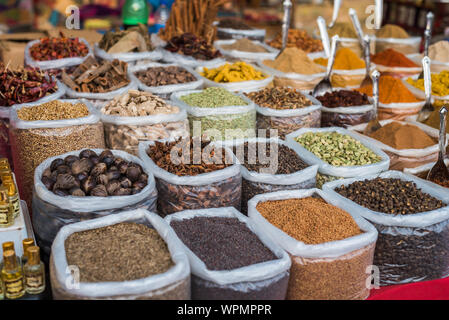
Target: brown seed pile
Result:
[282, 98]
[162, 76]
[310, 220]
[121, 252]
[53, 110]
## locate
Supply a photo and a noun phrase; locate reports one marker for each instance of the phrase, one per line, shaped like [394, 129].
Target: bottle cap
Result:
[9, 245]
[26, 243]
[33, 254]
[4, 161]
[4, 196]
[5, 176]
[9, 260]
[11, 187]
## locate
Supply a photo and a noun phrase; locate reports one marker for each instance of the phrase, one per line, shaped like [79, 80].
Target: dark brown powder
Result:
[121, 252]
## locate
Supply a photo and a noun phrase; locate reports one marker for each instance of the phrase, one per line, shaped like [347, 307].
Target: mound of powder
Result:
[294, 60]
[439, 51]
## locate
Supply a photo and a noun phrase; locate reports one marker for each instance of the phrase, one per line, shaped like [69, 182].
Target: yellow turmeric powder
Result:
[236, 72]
[345, 59]
[440, 83]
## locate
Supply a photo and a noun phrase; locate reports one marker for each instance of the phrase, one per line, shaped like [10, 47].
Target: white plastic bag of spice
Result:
[252, 34]
[258, 182]
[398, 72]
[101, 95]
[399, 111]
[220, 188]
[339, 171]
[245, 55]
[262, 281]
[405, 158]
[286, 121]
[165, 90]
[422, 171]
[174, 284]
[404, 45]
[34, 141]
[222, 123]
[420, 94]
[346, 116]
[189, 61]
[291, 79]
[330, 270]
[410, 247]
[54, 64]
[244, 86]
[127, 56]
[125, 133]
[51, 212]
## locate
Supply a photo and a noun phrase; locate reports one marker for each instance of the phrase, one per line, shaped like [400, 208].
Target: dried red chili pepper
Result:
[58, 48]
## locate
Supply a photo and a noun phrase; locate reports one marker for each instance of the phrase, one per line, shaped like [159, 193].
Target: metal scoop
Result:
[428, 108]
[378, 13]
[324, 35]
[374, 124]
[357, 26]
[439, 171]
[427, 36]
[325, 85]
[337, 5]
[366, 48]
[285, 24]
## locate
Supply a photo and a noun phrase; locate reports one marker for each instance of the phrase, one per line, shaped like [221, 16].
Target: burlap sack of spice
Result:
[173, 284]
[410, 247]
[52, 212]
[405, 158]
[267, 280]
[334, 270]
[265, 182]
[34, 141]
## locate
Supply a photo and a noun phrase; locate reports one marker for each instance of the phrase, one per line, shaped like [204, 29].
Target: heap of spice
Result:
[93, 76]
[392, 31]
[190, 45]
[121, 252]
[95, 175]
[391, 90]
[53, 110]
[393, 58]
[189, 165]
[135, 39]
[390, 195]
[294, 60]
[24, 85]
[343, 98]
[235, 72]
[309, 220]
[222, 243]
[299, 39]
[439, 51]
[434, 119]
[232, 23]
[213, 97]
[245, 45]
[257, 156]
[58, 48]
[280, 98]
[343, 29]
[163, 76]
[440, 83]
[345, 59]
[337, 149]
[403, 136]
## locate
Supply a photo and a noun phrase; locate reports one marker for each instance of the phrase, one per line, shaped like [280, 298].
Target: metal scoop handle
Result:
[442, 137]
[427, 78]
[337, 5]
[324, 35]
[358, 28]
[330, 62]
[378, 13]
[375, 76]
[286, 22]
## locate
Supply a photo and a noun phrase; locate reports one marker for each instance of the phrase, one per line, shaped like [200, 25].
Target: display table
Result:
[426, 290]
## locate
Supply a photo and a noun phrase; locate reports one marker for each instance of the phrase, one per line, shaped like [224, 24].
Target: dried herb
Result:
[135, 39]
[190, 45]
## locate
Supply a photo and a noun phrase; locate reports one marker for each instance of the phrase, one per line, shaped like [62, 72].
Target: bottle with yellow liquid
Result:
[34, 271]
[12, 276]
[2, 290]
[26, 243]
[13, 197]
[9, 245]
[6, 210]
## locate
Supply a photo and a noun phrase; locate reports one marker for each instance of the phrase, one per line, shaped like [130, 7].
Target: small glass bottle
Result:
[26, 243]
[4, 161]
[12, 276]
[34, 271]
[2, 290]
[6, 211]
[13, 197]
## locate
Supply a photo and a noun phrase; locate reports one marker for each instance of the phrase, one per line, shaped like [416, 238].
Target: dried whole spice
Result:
[343, 98]
[58, 48]
[390, 195]
[288, 124]
[299, 39]
[194, 162]
[135, 39]
[190, 45]
[96, 175]
[163, 76]
[23, 85]
[280, 98]
[53, 110]
[232, 23]
[121, 252]
[94, 77]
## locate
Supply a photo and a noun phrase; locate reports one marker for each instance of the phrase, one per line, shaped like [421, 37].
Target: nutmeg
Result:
[83, 165]
[108, 160]
[117, 161]
[95, 160]
[113, 175]
[105, 153]
[88, 184]
[70, 159]
[63, 169]
[99, 191]
[87, 153]
[122, 192]
[77, 192]
[55, 163]
[144, 178]
[98, 169]
[102, 179]
[112, 186]
[139, 184]
[48, 182]
[64, 181]
[133, 173]
[122, 167]
[125, 182]
[61, 193]
[46, 173]
[82, 176]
